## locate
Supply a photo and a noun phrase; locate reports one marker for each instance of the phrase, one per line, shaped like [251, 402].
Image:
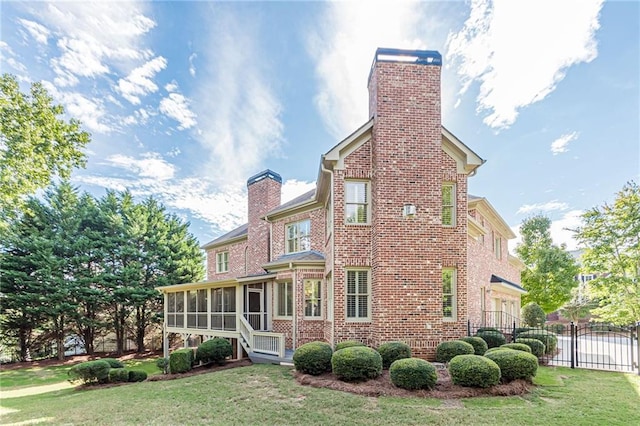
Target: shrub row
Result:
[214, 350]
[103, 371]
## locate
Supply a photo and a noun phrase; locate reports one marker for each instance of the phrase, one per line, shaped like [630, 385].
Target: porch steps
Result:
[258, 358]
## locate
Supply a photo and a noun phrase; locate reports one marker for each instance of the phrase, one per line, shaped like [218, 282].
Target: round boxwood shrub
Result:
[113, 363]
[533, 315]
[162, 363]
[549, 339]
[118, 375]
[348, 344]
[313, 358]
[413, 373]
[356, 363]
[479, 345]
[181, 360]
[392, 351]
[214, 350]
[445, 351]
[137, 376]
[536, 346]
[90, 372]
[481, 329]
[493, 338]
[474, 371]
[514, 364]
[517, 346]
[557, 328]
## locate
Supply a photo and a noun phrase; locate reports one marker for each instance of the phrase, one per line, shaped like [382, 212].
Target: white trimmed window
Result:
[312, 298]
[299, 236]
[497, 246]
[284, 299]
[356, 206]
[223, 308]
[449, 204]
[175, 309]
[222, 262]
[449, 308]
[358, 295]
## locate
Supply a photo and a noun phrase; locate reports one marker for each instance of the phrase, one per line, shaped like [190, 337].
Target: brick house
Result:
[389, 245]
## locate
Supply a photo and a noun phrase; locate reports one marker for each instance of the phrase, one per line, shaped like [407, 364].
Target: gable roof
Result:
[487, 210]
[310, 257]
[235, 235]
[308, 199]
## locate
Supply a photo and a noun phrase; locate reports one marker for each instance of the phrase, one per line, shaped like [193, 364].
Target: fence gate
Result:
[598, 346]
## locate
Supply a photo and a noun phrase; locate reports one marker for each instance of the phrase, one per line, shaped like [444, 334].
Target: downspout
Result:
[333, 262]
[294, 320]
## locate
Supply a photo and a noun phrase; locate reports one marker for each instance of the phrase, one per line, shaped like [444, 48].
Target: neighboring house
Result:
[389, 246]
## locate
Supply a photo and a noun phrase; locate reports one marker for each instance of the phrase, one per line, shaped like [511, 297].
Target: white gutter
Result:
[333, 310]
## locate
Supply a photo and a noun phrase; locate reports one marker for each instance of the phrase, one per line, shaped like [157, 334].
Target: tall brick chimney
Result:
[409, 168]
[264, 191]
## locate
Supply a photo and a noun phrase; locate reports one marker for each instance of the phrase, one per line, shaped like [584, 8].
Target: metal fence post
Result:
[468, 327]
[573, 353]
[637, 347]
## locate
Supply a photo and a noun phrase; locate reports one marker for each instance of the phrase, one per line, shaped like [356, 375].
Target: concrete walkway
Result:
[34, 390]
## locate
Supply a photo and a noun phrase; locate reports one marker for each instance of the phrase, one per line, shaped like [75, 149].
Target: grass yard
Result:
[267, 394]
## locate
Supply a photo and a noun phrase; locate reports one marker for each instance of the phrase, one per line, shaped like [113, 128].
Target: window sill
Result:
[283, 318]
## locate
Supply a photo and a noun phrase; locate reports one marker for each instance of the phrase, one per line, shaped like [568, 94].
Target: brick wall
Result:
[263, 196]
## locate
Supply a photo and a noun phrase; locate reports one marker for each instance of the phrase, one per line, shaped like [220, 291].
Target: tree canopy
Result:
[550, 271]
[611, 235]
[36, 144]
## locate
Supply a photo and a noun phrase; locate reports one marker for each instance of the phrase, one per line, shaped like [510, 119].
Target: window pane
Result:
[202, 300]
[363, 306]
[171, 302]
[180, 320]
[230, 299]
[191, 300]
[351, 306]
[216, 300]
[216, 322]
[180, 301]
[362, 282]
[289, 299]
[351, 282]
[171, 320]
[356, 192]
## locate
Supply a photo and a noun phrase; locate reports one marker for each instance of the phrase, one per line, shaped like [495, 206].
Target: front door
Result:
[255, 307]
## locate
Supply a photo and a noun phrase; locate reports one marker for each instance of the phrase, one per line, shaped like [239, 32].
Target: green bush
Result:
[515, 364]
[113, 363]
[474, 371]
[519, 330]
[392, 351]
[90, 372]
[162, 363]
[493, 338]
[181, 360]
[533, 315]
[549, 339]
[498, 348]
[214, 350]
[447, 350]
[313, 358]
[557, 328]
[137, 376]
[536, 346]
[481, 329]
[356, 363]
[348, 344]
[118, 375]
[413, 373]
[478, 343]
[518, 347]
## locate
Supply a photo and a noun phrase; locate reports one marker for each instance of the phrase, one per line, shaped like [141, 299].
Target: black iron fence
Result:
[590, 345]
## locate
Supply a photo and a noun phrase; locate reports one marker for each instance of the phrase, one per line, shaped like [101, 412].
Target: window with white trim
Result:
[449, 307]
[358, 295]
[223, 308]
[222, 262]
[356, 207]
[197, 308]
[298, 236]
[313, 298]
[448, 204]
[175, 309]
[284, 299]
[497, 246]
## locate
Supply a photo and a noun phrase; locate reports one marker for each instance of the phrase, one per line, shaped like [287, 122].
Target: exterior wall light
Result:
[408, 210]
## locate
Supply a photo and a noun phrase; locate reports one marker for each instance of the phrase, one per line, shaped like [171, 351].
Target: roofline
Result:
[195, 286]
[213, 244]
[277, 265]
[311, 204]
[492, 211]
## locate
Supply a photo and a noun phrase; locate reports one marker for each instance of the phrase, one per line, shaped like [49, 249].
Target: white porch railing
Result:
[261, 341]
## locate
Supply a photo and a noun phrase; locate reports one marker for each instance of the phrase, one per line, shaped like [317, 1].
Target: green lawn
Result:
[267, 394]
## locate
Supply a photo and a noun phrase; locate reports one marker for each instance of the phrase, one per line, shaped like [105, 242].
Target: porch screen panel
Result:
[171, 309]
[201, 318]
[180, 309]
[192, 304]
[223, 308]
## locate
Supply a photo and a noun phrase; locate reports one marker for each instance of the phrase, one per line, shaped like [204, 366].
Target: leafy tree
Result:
[611, 235]
[35, 144]
[550, 270]
[533, 315]
[578, 307]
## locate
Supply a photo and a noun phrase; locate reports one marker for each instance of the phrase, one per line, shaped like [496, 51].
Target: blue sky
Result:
[186, 100]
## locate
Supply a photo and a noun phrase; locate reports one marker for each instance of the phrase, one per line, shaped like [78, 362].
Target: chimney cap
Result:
[263, 175]
[418, 57]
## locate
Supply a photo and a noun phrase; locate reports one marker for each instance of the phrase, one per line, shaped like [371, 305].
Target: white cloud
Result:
[39, 32]
[293, 188]
[151, 165]
[543, 207]
[560, 145]
[560, 230]
[519, 51]
[91, 113]
[176, 106]
[7, 55]
[192, 67]
[139, 81]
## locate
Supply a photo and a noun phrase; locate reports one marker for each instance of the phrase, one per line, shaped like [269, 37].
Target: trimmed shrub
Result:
[113, 363]
[533, 315]
[356, 363]
[90, 372]
[445, 351]
[478, 343]
[498, 348]
[413, 373]
[214, 350]
[118, 375]
[313, 358]
[557, 328]
[536, 346]
[137, 376]
[392, 351]
[481, 329]
[162, 363]
[549, 339]
[474, 371]
[493, 338]
[515, 364]
[348, 344]
[180, 361]
[519, 330]
[518, 347]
